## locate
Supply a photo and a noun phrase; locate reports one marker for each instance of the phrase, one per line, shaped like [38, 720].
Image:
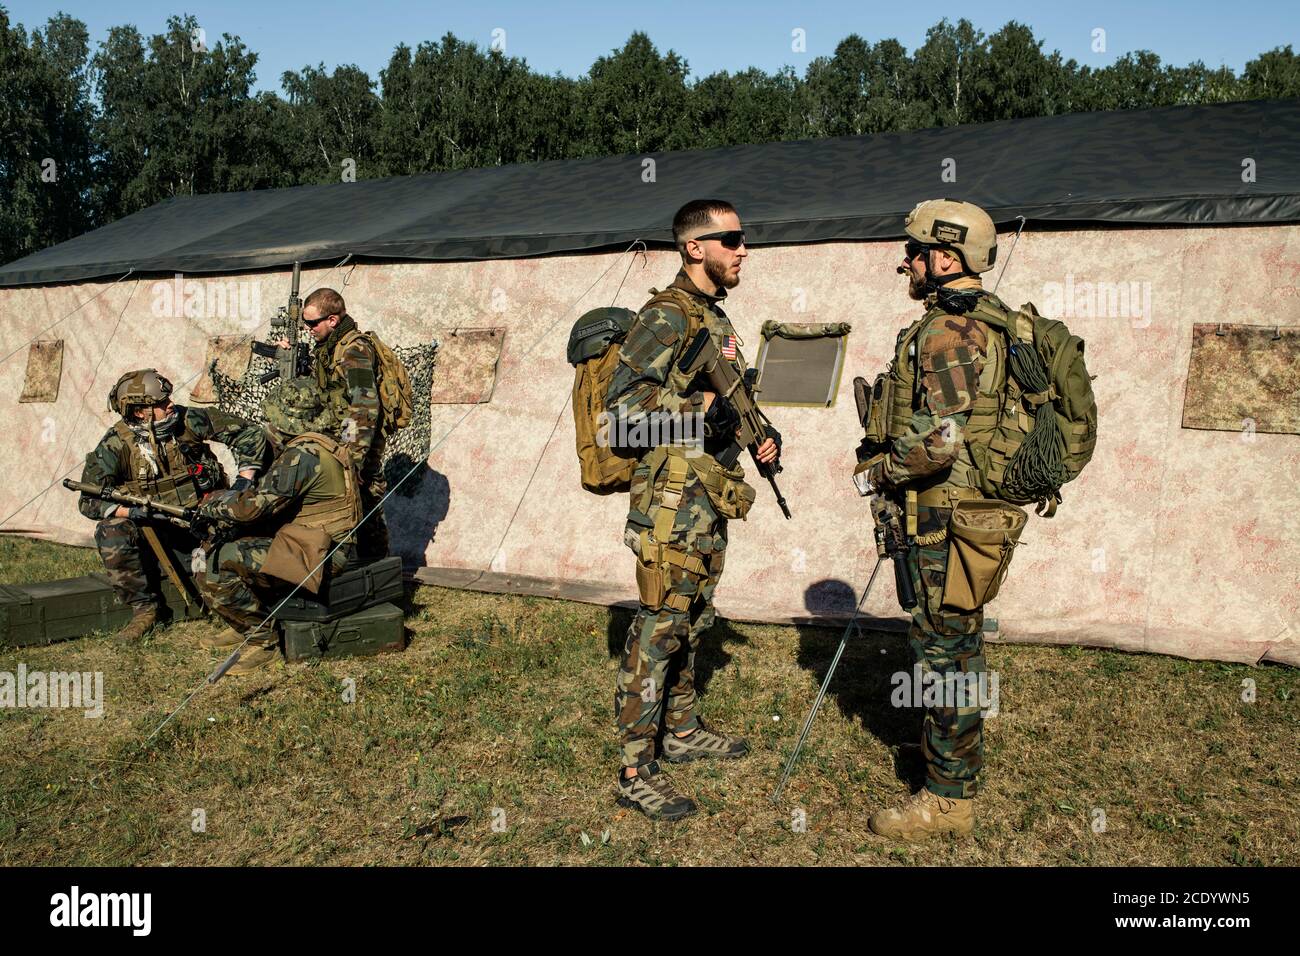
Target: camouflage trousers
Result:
[656, 681]
[130, 563]
[946, 642]
[235, 588]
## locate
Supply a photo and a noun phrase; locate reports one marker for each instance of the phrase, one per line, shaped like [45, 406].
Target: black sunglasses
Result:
[913, 249]
[312, 323]
[731, 239]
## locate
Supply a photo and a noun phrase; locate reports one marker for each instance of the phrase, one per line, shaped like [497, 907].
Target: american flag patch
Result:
[729, 347]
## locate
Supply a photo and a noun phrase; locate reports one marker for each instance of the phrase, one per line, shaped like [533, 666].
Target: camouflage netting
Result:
[410, 446]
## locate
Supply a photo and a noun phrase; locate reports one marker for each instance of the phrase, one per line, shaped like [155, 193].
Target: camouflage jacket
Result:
[951, 357]
[301, 475]
[108, 463]
[347, 365]
[647, 382]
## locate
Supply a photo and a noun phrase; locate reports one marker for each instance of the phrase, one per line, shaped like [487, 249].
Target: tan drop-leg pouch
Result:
[296, 554]
[982, 535]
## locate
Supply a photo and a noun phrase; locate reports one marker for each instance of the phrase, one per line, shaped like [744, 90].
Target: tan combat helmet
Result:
[961, 226]
[141, 388]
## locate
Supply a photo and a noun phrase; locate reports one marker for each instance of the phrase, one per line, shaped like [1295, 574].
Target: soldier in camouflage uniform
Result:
[345, 362]
[159, 449]
[312, 483]
[673, 525]
[944, 362]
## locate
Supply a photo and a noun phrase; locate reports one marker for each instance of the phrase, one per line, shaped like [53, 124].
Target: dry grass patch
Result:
[498, 717]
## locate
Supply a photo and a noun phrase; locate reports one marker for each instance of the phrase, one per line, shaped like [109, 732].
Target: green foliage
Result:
[145, 119]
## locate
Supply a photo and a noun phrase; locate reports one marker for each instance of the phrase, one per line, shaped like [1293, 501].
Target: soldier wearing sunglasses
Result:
[680, 504]
[345, 361]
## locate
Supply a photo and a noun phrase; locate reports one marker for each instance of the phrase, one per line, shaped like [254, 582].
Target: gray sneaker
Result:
[651, 792]
[701, 744]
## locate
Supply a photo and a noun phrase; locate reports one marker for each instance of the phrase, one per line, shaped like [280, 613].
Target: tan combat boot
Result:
[260, 650]
[221, 641]
[141, 623]
[923, 815]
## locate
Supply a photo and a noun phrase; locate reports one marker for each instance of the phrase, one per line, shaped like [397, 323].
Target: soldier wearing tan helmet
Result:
[158, 448]
[944, 383]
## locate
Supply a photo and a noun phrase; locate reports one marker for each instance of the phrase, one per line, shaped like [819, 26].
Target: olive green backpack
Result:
[1045, 433]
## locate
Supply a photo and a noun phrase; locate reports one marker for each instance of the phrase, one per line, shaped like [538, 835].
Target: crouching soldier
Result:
[295, 526]
[158, 449]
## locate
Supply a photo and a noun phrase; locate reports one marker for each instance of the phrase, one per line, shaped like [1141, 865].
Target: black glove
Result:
[722, 419]
[242, 484]
[137, 513]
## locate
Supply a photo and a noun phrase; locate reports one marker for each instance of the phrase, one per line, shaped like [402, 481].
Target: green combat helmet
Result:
[141, 388]
[298, 406]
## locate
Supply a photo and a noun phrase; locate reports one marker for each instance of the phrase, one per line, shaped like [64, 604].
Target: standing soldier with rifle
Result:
[158, 449]
[927, 438]
[681, 498]
[347, 363]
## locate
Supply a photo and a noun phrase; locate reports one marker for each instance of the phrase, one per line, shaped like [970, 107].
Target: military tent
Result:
[1169, 239]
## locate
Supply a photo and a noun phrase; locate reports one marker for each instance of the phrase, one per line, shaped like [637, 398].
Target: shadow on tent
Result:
[415, 510]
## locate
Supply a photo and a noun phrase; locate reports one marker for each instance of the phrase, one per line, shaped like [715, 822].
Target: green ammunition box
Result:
[52, 611]
[372, 631]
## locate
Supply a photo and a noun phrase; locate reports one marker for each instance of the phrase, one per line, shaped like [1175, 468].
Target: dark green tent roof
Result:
[1176, 165]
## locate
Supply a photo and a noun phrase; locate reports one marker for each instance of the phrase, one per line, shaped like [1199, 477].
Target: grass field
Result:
[490, 741]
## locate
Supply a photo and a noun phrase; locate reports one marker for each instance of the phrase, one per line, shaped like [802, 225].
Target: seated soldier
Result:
[306, 507]
[158, 449]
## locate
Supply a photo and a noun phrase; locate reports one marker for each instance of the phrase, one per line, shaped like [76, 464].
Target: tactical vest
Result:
[187, 467]
[728, 492]
[392, 383]
[337, 509]
[905, 396]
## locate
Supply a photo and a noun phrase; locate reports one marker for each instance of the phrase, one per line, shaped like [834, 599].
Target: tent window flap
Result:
[1243, 378]
[800, 363]
[44, 370]
[467, 366]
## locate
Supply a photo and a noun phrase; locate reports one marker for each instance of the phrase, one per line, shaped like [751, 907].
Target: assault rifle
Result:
[702, 356]
[292, 359]
[158, 510]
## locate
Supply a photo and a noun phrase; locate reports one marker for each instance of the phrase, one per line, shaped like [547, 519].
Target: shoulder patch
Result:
[951, 380]
[360, 377]
[666, 322]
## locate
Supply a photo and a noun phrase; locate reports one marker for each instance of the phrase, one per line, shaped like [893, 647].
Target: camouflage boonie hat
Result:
[143, 387]
[298, 406]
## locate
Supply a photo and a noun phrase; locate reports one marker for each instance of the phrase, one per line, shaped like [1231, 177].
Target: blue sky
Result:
[567, 37]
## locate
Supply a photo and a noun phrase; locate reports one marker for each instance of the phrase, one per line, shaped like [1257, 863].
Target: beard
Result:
[716, 270]
[916, 287]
